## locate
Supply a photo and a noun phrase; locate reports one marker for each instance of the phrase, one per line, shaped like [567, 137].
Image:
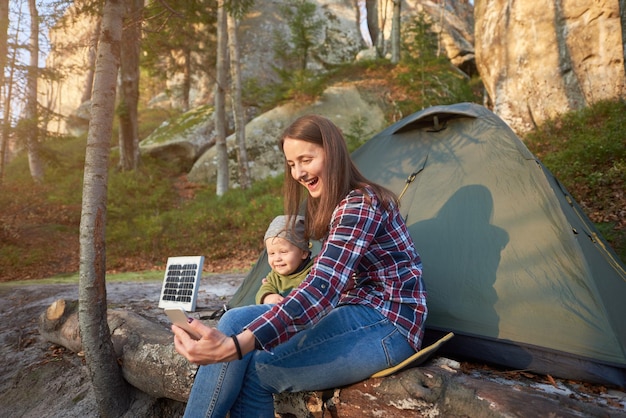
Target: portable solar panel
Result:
[180, 285]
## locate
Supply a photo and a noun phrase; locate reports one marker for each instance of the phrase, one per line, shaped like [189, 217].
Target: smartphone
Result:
[178, 316]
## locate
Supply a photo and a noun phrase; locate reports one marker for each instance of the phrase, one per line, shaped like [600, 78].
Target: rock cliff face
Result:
[75, 47]
[339, 42]
[541, 59]
[537, 60]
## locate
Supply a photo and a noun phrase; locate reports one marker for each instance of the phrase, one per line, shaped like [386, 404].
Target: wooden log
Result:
[145, 350]
[150, 363]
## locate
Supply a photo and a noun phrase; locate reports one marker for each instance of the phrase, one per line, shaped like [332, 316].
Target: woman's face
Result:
[306, 160]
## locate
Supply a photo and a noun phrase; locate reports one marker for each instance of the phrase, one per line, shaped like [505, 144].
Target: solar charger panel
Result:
[180, 285]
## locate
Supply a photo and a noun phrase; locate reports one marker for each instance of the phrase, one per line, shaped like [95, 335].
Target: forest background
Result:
[154, 212]
[55, 191]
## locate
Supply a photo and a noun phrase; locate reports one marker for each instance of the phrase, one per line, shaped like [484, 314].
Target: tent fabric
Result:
[512, 265]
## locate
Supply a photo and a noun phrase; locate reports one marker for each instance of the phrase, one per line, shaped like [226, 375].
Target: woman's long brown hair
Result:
[338, 167]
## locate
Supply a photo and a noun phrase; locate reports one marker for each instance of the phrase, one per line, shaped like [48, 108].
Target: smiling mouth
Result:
[311, 183]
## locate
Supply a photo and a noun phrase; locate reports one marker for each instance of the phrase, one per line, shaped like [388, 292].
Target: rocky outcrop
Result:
[454, 22]
[338, 42]
[343, 104]
[73, 43]
[182, 140]
[541, 59]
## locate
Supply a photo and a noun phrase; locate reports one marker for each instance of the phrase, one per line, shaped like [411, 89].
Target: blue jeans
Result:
[348, 345]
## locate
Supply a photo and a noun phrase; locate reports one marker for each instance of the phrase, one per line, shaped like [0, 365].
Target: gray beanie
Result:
[292, 233]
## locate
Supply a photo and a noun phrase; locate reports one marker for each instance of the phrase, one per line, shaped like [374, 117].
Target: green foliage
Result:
[238, 8]
[151, 118]
[165, 224]
[586, 151]
[169, 27]
[180, 124]
[292, 53]
[263, 96]
[429, 75]
[304, 28]
[357, 135]
[586, 146]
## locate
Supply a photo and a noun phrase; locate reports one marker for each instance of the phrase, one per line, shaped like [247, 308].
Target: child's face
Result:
[282, 256]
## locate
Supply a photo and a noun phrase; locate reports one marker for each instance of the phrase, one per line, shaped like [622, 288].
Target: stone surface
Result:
[184, 139]
[338, 42]
[541, 59]
[40, 379]
[343, 104]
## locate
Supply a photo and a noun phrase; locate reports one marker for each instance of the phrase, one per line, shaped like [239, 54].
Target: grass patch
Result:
[586, 151]
[154, 213]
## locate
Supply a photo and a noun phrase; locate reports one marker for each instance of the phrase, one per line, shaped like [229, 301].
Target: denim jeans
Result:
[348, 345]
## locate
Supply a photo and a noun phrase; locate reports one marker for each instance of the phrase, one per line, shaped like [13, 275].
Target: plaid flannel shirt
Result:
[368, 258]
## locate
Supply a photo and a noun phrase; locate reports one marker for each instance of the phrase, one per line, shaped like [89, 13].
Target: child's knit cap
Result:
[294, 233]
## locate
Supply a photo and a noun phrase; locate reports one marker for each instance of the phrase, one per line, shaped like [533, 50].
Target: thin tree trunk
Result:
[238, 112]
[111, 390]
[129, 86]
[4, 38]
[382, 22]
[186, 79]
[4, 55]
[31, 112]
[220, 112]
[93, 47]
[622, 15]
[395, 32]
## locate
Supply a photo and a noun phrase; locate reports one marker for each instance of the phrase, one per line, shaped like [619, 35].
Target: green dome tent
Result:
[512, 265]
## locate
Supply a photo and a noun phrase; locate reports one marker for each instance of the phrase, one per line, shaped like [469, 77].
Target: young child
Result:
[289, 256]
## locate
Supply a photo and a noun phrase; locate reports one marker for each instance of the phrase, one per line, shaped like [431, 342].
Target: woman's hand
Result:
[213, 347]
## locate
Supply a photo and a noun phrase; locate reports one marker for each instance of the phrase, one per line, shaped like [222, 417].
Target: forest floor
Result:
[38, 378]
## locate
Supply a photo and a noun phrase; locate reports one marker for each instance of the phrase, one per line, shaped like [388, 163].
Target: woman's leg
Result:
[348, 345]
[217, 386]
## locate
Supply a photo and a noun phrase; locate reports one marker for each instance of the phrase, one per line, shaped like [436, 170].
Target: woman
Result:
[360, 310]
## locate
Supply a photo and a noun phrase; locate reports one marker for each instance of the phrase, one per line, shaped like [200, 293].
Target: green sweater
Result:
[282, 284]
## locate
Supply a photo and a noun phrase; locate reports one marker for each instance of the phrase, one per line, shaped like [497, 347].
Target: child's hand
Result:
[272, 298]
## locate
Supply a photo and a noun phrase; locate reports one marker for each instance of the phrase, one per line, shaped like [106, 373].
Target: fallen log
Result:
[144, 349]
[150, 363]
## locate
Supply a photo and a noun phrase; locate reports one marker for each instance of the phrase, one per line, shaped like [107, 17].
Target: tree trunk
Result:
[93, 47]
[622, 16]
[129, 86]
[111, 391]
[31, 112]
[4, 38]
[395, 32]
[186, 88]
[4, 54]
[382, 23]
[220, 111]
[364, 29]
[144, 348]
[238, 112]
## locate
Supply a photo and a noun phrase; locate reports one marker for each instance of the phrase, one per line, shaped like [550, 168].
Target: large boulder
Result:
[538, 60]
[182, 139]
[343, 104]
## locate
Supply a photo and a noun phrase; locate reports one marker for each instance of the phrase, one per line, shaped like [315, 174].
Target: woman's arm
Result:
[352, 230]
[213, 347]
